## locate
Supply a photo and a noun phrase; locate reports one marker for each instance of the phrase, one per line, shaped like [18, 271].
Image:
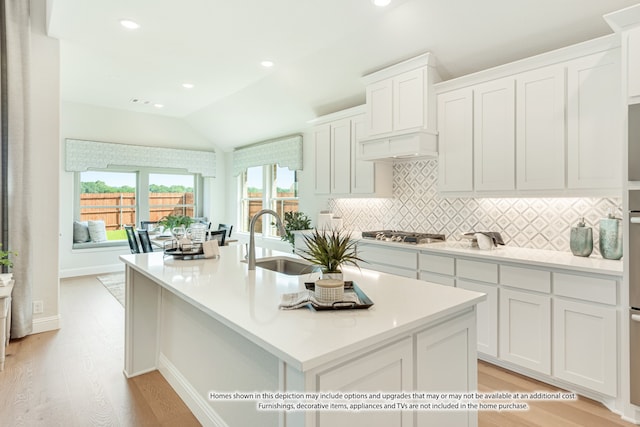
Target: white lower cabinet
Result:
[584, 345]
[525, 329]
[449, 342]
[398, 261]
[391, 366]
[487, 317]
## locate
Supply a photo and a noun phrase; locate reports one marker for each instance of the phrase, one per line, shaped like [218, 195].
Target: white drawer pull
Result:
[635, 317]
[635, 220]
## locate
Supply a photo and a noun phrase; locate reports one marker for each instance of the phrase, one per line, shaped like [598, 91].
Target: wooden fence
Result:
[119, 209]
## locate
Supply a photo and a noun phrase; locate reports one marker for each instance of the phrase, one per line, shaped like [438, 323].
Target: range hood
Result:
[409, 145]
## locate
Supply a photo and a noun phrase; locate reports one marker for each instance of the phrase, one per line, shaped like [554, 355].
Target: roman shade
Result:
[83, 155]
[285, 152]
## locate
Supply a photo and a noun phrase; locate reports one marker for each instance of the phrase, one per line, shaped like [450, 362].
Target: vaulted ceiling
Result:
[320, 49]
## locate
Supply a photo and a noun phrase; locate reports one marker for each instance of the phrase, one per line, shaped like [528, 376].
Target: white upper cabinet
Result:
[494, 135]
[544, 126]
[633, 55]
[341, 156]
[361, 171]
[322, 155]
[398, 103]
[400, 118]
[540, 129]
[594, 140]
[380, 107]
[455, 152]
[409, 100]
[338, 168]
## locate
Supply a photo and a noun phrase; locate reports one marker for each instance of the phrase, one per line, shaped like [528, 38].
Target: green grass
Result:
[116, 235]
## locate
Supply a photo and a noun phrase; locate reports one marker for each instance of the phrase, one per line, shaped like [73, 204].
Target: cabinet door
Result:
[386, 369]
[584, 345]
[633, 54]
[540, 129]
[341, 156]
[446, 362]
[494, 138]
[322, 148]
[525, 330]
[408, 100]
[594, 139]
[362, 172]
[455, 141]
[487, 319]
[380, 107]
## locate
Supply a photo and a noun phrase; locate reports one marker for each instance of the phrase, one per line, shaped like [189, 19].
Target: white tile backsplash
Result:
[541, 223]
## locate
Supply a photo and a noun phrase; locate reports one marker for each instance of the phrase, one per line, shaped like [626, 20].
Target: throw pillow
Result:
[98, 231]
[80, 232]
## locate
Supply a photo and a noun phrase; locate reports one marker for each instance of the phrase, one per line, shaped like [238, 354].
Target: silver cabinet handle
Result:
[635, 220]
[635, 317]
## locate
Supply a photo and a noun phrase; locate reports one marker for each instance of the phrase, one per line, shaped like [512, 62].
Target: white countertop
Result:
[539, 257]
[247, 302]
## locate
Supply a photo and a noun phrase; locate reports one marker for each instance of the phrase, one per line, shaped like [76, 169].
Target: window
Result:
[269, 186]
[128, 197]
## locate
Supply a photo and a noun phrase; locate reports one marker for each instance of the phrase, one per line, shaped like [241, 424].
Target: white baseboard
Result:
[46, 324]
[197, 403]
[88, 271]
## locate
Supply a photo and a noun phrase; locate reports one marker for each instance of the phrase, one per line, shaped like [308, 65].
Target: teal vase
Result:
[581, 241]
[611, 237]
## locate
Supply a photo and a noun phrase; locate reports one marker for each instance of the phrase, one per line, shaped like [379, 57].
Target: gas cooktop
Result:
[403, 236]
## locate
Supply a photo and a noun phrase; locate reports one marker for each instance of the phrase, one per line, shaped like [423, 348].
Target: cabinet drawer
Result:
[437, 278]
[525, 278]
[475, 270]
[436, 264]
[594, 289]
[389, 256]
[412, 274]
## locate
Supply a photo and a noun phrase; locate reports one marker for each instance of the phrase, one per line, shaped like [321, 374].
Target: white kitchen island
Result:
[212, 328]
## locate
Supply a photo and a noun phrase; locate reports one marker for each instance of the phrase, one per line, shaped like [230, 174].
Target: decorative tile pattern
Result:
[81, 155]
[541, 223]
[286, 151]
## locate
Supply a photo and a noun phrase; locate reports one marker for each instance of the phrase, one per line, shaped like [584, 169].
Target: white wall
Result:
[45, 131]
[79, 121]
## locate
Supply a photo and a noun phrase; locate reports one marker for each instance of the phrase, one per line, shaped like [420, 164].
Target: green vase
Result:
[581, 241]
[611, 237]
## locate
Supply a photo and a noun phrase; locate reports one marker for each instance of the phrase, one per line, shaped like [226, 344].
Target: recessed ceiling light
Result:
[158, 105]
[267, 64]
[187, 85]
[381, 3]
[129, 24]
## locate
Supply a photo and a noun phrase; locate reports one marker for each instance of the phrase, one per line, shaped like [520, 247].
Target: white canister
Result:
[324, 220]
[328, 291]
[336, 223]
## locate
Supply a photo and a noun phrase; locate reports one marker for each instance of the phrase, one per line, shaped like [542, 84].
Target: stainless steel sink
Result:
[286, 265]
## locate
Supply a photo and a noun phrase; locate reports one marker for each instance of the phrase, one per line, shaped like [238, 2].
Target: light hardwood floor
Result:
[73, 377]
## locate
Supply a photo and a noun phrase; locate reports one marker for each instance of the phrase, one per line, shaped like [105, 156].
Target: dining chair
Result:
[225, 227]
[145, 242]
[219, 235]
[131, 237]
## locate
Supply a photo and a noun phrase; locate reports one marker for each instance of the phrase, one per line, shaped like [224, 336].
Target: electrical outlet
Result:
[38, 307]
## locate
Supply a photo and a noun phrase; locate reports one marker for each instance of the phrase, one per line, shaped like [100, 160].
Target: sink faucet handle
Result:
[246, 250]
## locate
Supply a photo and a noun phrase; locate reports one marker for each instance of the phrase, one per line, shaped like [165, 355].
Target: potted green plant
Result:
[6, 263]
[295, 221]
[171, 221]
[330, 250]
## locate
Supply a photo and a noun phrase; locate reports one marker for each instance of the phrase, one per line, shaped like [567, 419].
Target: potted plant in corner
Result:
[6, 263]
[330, 250]
[295, 221]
